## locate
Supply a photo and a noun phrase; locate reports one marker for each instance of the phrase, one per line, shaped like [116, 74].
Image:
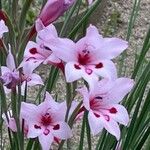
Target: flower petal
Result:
[108, 70]
[32, 131]
[10, 61]
[112, 127]
[96, 125]
[64, 49]
[35, 79]
[112, 47]
[62, 131]
[118, 113]
[71, 72]
[86, 98]
[121, 87]
[3, 28]
[46, 141]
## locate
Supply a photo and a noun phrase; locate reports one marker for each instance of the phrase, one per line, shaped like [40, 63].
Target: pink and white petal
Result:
[46, 141]
[35, 79]
[72, 73]
[96, 125]
[52, 59]
[11, 124]
[29, 64]
[46, 33]
[3, 28]
[5, 69]
[27, 109]
[118, 113]
[62, 130]
[32, 131]
[112, 127]
[39, 25]
[64, 49]
[10, 61]
[33, 50]
[86, 97]
[50, 101]
[121, 87]
[108, 70]
[112, 47]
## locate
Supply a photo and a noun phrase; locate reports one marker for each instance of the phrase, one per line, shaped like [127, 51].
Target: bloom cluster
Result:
[89, 58]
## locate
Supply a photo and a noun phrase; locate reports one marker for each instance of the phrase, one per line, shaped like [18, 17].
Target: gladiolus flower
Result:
[102, 104]
[3, 28]
[90, 57]
[37, 53]
[45, 121]
[10, 75]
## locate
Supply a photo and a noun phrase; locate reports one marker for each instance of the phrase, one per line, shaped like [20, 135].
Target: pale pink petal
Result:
[86, 97]
[46, 141]
[47, 34]
[27, 109]
[52, 59]
[62, 130]
[51, 102]
[39, 25]
[12, 123]
[4, 70]
[112, 127]
[121, 87]
[3, 28]
[72, 73]
[96, 125]
[108, 70]
[118, 113]
[10, 61]
[32, 131]
[34, 79]
[64, 49]
[30, 64]
[112, 47]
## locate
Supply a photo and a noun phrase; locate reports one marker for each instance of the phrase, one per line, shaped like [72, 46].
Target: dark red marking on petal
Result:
[97, 115]
[37, 127]
[113, 110]
[84, 59]
[100, 65]
[46, 131]
[33, 51]
[30, 58]
[56, 127]
[98, 97]
[77, 66]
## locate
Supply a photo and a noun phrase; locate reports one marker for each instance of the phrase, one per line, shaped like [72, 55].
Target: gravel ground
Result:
[118, 12]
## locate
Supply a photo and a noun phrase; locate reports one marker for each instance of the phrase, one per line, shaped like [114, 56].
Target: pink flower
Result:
[45, 121]
[11, 123]
[37, 53]
[90, 57]
[10, 76]
[3, 28]
[54, 9]
[102, 103]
